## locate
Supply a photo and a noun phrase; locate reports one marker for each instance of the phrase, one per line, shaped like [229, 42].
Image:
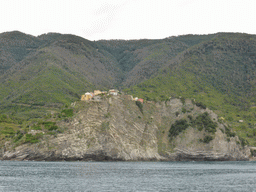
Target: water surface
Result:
[127, 176]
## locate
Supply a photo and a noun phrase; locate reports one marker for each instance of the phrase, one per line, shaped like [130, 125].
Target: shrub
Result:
[203, 121]
[18, 136]
[183, 110]
[201, 105]
[140, 105]
[36, 127]
[50, 126]
[243, 141]
[29, 138]
[177, 127]
[3, 118]
[107, 115]
[8, 132]
[177, 113]
[253, 153]
[182, 99]
[67, 112]
[207, 139]
[190, 117]
[229, 133]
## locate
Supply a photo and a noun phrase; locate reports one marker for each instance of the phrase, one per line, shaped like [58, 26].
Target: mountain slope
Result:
[220, 73]
[57, 73]
[54, 69]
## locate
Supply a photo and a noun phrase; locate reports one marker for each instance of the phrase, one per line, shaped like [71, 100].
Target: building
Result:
[140, 100]
[113, 92]
[83, 98]
[97, 92]
[86, 97]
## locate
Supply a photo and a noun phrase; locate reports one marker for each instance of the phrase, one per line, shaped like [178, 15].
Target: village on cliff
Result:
[96, 95]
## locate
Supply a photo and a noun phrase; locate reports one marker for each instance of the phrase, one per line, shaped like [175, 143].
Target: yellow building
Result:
[97, 92]
[86, 97]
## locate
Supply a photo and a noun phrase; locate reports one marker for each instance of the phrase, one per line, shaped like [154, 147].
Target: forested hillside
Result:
[218, 73]
[42, 74]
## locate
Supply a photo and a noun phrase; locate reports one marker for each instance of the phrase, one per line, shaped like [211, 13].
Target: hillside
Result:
[41, 75]
[219, 73]
[117, 128]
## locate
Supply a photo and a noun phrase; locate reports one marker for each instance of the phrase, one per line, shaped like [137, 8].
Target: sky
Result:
[127, 19]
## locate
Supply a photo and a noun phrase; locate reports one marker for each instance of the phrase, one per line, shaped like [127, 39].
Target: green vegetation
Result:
[107, 115]
[29, 138]
[229, 133]
[67, 112]
[203, 121]
[50, 126]
[140, 105]
[183, 110]
[206, 139]
[8, 132]
[200, 104]
[53, 70]
[177, 128]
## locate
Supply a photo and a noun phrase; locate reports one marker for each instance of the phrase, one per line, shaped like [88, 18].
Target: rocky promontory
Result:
[119, 129]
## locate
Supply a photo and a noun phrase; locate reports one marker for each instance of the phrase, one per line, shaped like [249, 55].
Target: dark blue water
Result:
[127, 176]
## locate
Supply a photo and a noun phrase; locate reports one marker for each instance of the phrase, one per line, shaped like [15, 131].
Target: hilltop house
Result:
[97, 92]
[140, 100]
[113, 92]
[87, 96]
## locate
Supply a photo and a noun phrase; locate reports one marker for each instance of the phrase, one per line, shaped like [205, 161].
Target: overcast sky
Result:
[128, 19]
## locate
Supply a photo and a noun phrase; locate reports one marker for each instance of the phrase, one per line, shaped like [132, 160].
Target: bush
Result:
[67, 113]
[33, 138]
[8, 132]
[36, 127]
[203, 121]
[243, 141]
[177, 127]
[183, 110]
[107, 115]
[18, 136]
[182, 99]
[229, 133]
[207, 139]
[140, 105]
[3, 118]
[201, 105]
[50, 126]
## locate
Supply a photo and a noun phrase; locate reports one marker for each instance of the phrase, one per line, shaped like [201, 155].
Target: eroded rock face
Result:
[188, 147]
[116, 129]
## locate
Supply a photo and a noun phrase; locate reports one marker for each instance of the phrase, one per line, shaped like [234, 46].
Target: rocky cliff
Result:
[118, 129]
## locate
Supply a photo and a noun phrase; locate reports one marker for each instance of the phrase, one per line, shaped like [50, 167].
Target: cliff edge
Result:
[119, 129]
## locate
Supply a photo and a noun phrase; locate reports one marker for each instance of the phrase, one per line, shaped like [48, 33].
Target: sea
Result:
[127, 176]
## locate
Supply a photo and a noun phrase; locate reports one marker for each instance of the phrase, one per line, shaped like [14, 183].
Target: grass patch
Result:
[29, 138]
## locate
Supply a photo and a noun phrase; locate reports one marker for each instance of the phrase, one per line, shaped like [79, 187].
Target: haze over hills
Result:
[55, 69]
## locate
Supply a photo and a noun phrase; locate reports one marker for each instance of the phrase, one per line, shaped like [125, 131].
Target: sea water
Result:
[127, 176]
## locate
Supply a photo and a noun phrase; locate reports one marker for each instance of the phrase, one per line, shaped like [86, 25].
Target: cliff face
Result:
[117, 129]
